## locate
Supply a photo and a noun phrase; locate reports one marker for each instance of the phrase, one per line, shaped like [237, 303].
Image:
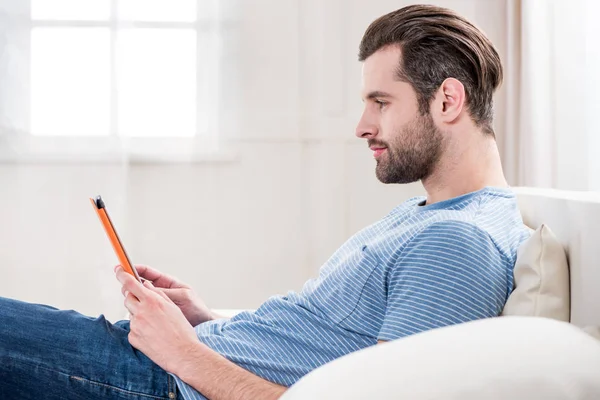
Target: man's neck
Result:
[465, 168]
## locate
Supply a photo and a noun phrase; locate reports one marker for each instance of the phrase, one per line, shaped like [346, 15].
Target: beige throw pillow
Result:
[541, 279]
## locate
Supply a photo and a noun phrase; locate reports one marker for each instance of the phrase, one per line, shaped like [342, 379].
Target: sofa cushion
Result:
[518, 358]
[541, 278]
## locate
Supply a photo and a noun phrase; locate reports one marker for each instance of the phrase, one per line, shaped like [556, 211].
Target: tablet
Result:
[111, 232]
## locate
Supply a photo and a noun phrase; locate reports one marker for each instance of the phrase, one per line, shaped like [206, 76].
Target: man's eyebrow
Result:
[378, 94]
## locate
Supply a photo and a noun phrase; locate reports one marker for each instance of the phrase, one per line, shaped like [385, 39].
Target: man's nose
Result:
[366, 129]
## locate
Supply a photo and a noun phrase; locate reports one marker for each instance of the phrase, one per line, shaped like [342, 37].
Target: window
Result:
[113, 75]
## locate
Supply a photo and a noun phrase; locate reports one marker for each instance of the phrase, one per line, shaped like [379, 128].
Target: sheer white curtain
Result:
[552, 78]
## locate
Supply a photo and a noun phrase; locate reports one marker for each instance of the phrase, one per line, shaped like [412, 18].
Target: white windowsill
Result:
[219, 156]
[61, 150]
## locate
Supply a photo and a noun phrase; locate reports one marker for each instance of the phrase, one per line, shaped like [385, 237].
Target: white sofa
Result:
[499, 358]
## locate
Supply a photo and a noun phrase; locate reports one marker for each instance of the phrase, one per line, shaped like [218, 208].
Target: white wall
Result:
[238, 231]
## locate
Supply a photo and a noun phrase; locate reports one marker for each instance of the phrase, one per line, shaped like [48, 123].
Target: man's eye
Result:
[380, 103]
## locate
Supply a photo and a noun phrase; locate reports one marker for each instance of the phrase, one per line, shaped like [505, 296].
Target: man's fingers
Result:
[124, 291]
[179, 295]
[131, 303]
[160, 292]
[148, 272]
[130, 284]
[120, 266]
[158, 278]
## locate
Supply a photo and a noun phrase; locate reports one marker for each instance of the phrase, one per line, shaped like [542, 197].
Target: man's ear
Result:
[450, 100]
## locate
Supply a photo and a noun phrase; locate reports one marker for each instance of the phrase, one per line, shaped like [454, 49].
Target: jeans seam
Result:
[77, 378]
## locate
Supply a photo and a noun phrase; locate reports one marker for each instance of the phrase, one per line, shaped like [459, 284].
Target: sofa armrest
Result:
[228, 312]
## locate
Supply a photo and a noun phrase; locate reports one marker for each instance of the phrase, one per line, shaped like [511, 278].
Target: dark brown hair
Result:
[436, 43]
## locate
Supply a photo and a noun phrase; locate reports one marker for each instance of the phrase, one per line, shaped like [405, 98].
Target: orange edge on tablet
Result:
[114, 240]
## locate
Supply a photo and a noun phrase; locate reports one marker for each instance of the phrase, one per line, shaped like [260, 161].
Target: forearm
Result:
[219, 379]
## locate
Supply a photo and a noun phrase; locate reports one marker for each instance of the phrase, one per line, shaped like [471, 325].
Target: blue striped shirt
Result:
[420, 267]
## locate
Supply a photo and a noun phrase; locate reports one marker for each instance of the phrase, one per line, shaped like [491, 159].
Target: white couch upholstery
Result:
[516, 358]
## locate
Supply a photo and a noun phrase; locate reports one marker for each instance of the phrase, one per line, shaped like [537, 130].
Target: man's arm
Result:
[450, 273]
[218, 378]
[160, 330]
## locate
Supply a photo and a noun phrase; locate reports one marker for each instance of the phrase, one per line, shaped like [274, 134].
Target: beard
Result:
[411, 154]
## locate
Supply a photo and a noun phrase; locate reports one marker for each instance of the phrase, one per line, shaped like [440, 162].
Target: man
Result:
[428, 81]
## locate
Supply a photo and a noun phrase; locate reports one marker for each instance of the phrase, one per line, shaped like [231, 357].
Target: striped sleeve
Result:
[449, 273]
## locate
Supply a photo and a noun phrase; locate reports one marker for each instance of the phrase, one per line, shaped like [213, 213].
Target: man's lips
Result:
[377, 151]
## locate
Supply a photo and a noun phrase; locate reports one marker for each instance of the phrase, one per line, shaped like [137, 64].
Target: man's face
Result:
[405, 144]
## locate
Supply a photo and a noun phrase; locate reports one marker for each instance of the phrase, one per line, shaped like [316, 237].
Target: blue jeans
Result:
[51, 354]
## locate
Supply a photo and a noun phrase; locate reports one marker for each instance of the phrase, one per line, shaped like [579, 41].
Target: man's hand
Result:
[182, 295]
[158, 327]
